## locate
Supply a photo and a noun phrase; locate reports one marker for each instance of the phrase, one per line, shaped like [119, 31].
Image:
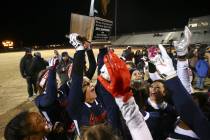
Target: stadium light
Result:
[8, 43]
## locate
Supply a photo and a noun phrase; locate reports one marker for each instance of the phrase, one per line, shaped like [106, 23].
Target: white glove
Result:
[163, 63]
[182, 45]
[104, 73]
[75, 42]
[53, 62]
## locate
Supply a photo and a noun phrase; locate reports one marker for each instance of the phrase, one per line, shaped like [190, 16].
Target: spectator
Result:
[57, 55]
[128, 54]
[137, 57]
[25, 70]
[63, 67]
[37, 65]
[202, 72]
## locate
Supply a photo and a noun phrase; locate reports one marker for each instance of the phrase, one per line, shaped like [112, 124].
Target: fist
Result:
[53, 62]
[75, 41]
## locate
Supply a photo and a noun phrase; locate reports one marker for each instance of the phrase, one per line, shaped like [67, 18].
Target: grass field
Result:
[12, 86]
[13, 92]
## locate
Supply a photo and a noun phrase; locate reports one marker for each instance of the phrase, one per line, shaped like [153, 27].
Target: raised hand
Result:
[182, 45]
[75, 42]
[163, 63]
[119, 84]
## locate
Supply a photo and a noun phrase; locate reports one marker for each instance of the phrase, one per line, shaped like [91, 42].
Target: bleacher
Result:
[147, 38]
[199, 26]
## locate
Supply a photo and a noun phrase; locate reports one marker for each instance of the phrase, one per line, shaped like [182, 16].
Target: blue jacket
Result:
[202, 68]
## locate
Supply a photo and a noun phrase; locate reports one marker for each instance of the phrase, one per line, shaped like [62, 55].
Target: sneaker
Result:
[30, 98]
[35, 94]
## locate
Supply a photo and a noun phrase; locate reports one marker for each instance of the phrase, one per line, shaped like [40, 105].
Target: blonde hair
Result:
[98, 132]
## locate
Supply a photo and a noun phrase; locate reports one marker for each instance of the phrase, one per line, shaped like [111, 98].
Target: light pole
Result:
[115, 20]
[91, 12]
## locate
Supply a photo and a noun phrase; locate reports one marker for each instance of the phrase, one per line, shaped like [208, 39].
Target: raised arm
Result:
[118, 87]
[92, 64]
[75, 95]
[50, 94]
[182, 63]
[187, 109]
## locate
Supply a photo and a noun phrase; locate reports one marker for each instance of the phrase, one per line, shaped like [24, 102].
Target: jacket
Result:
[25, 65]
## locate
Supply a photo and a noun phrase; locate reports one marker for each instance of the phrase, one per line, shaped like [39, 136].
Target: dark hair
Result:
[28, 50]
[82, 39]
[167, 96]
[64, 54]
[98, 132]
[16, 129]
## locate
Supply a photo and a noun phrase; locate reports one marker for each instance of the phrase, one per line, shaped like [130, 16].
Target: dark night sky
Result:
[47, 21]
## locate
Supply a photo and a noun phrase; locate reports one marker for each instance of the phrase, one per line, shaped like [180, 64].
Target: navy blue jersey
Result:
[189, 112]
[50, 106]
[85, 114]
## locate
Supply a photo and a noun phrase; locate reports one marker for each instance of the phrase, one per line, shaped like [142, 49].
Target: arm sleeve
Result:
[92, 64]
[110, 105]
[75, 96]
[187, 109]
[100, 59]
[33, 67]
[22, 67]
[134, 119]
[51, 91]
[182, 73]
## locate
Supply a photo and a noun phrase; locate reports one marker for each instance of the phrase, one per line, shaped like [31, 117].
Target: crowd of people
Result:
[32, 65]
[143, 95]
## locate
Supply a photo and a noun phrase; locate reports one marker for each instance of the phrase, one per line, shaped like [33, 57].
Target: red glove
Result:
[119, 85]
